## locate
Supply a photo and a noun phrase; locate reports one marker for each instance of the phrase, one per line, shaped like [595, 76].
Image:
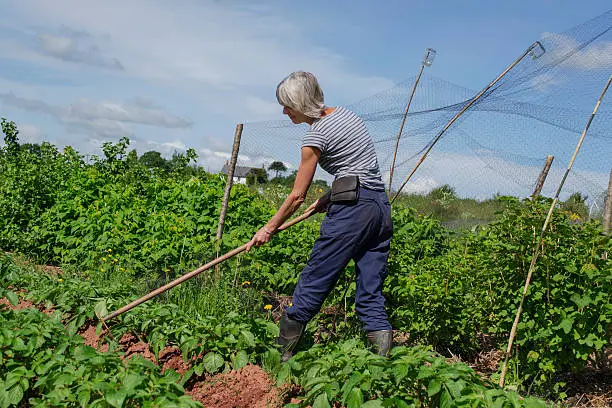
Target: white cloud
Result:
[100, 127]
[592, 57]
[200, 44]
[70, 48]
[544, 81]
[167, 147]
[29, 133]
[126, 113]
[214, 160]
[420, 185]
[262, 107]
[205, 152]
[104, 118]
[482, 176]
[220, 61]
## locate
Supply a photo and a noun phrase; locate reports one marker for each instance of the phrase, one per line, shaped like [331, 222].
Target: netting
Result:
[500, 144]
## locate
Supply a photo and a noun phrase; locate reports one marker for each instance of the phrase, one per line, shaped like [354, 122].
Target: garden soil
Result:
[252, 387]
[249, 386]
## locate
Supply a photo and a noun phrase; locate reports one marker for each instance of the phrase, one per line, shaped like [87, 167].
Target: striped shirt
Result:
[346, 147]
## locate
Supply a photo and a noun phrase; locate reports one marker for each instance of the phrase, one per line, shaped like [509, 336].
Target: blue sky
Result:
[172, 75]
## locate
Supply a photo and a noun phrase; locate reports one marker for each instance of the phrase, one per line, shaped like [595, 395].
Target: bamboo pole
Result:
[607, 215]
[542, 177]
[230, 180]
[466, 107]
[401, 129]
[201, 269]
[540, 240]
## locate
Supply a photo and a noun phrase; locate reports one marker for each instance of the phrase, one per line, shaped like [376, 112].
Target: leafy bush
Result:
[567, 316]
[44, 365]
[31, 177]
[352, 376]
[474, 288]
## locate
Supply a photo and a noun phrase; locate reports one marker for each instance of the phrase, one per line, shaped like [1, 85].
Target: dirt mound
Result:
[171, 358]
[25, 304]
[131, 346]
[248, 387]
[93, 339]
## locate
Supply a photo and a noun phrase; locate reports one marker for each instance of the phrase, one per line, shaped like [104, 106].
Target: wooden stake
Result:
[607, 215]
[230, 180]
[466, 107]
[542, 177]
[228, 188]
[537, 248]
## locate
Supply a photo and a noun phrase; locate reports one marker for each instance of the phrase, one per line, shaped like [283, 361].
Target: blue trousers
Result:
[360, 231]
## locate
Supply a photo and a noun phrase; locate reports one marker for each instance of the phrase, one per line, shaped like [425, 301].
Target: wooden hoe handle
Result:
[195, 272]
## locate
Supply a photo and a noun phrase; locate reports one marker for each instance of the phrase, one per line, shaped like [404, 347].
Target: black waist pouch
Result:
[345, 189]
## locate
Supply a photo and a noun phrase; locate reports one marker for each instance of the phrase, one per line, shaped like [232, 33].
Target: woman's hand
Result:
[261, 237]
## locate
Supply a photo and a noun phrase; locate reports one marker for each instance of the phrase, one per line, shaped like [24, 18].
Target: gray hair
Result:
[300, 91]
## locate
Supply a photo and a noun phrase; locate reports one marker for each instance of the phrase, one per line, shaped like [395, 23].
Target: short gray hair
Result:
[300, 91]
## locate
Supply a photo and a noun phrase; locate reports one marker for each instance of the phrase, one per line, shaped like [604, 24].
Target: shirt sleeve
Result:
[316, 139]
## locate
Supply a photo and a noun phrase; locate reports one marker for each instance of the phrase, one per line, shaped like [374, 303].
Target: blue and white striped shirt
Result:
[346, 147]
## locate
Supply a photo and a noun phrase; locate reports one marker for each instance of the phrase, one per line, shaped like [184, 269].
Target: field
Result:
[81, 238]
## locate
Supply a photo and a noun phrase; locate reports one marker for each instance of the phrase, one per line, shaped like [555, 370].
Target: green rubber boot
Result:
[382, 341]
[289, 336]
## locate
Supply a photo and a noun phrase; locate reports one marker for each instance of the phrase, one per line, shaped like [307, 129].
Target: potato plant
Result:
[120, 228]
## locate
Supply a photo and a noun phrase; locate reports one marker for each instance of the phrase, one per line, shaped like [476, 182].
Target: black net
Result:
[501, 142]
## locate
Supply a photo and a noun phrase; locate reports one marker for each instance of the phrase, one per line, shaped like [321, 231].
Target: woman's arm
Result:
[305, 174]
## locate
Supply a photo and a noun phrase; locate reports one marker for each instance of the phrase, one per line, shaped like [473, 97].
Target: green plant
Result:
[44, 365]
[352, 376]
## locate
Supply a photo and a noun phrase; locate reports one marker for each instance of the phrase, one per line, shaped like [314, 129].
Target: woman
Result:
[358, 221]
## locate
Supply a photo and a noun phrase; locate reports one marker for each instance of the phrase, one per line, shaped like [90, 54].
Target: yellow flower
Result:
[122, 270]
[104, 259]
[290, 304]
[101, 269]
[268, 307]
[60, 280]
[246, 283]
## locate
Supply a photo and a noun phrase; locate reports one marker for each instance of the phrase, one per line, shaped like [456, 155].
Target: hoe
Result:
[201, 269]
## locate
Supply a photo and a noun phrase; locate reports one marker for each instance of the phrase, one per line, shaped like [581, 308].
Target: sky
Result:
[182, 74]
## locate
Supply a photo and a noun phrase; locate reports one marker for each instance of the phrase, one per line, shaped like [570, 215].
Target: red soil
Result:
[25, 304]
[248, 387]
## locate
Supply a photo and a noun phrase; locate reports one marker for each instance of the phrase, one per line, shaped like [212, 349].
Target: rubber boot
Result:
[382, 341]
[289, 336]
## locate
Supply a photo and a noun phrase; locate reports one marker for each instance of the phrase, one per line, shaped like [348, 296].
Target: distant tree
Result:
[180, 162]
[154, 160]
[33, 148]
[445, 192]
[287, 180]
[278, 167]
[257, 176]
[11, 138]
